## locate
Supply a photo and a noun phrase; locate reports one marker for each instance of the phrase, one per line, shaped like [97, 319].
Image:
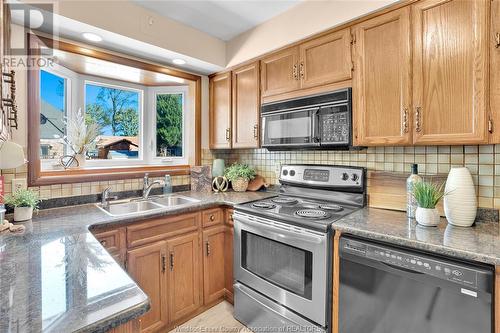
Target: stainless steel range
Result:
[283, 247]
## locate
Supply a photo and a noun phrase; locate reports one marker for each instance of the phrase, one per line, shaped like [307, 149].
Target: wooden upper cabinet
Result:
[450, 67]
[326, 59]
[146, 265]
[382, 80]
[246, 105]
[279, 72]
[220, 111]
[494, 47]
[213, 263]
[184, 281]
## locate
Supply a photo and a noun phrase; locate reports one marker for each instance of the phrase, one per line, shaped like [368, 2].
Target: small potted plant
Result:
[427, 196]
[24, 202]
[239, 175]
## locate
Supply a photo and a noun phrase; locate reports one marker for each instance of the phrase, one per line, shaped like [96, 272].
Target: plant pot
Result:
[460, 202]
[240, 184]
[427, 217]
[23, 213]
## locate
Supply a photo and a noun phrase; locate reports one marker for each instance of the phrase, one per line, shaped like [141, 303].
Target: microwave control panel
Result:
[335, 126]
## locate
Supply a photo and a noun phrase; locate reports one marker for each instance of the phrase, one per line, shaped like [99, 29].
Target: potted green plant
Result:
[24, 202]
[239, 175]
[427, 196]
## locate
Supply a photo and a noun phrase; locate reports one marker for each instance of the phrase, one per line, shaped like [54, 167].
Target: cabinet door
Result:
[382, 80]
[246, 104]
[450, 71]
[213, 263]
[146, 265]
[184, 276]
[326, 59]
[279, 72]
[494, 46]
[220, 111]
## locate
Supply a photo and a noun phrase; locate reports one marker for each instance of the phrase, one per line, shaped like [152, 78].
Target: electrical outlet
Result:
[19, 183]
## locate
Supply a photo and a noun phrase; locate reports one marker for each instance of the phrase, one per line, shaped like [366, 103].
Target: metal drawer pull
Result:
[171, 262]
[302, 70]
[163, 263]
[228, 134]
[208, 248]
[497, 40]
[255, 131]
[103, 243]
[212, 217]
[418, 122]
[294, 72]
[405, 120]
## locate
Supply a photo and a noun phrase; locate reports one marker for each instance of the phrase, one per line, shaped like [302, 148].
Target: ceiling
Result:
[223, 19]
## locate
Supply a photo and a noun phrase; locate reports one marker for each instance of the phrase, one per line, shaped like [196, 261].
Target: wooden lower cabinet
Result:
[147, 266]
[213, 263]
[184, 278]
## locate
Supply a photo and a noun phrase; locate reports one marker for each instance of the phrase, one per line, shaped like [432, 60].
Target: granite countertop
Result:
[479, 243]
[56, 277]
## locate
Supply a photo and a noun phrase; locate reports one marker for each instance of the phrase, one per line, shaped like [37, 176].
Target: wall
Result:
[482, 161]
[299, 22]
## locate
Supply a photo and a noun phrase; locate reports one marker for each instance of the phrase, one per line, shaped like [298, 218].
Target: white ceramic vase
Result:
[23, 213]
[460, 202]
[427, 217]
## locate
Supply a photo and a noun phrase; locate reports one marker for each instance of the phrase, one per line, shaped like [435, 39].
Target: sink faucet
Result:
[147, 187]
[105, 197]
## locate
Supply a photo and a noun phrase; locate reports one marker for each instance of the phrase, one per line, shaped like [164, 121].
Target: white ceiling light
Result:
[179, 61]
[92, 37]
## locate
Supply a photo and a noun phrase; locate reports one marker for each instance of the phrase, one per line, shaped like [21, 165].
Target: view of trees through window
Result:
[169, 125]
[116, 111]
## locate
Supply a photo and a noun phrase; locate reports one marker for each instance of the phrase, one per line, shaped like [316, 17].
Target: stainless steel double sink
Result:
[135, 206]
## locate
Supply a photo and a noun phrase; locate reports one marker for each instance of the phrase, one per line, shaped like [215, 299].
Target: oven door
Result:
[290, 129]
[287, 264]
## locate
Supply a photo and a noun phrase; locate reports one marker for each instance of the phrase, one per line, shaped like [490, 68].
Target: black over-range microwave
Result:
[314, 122]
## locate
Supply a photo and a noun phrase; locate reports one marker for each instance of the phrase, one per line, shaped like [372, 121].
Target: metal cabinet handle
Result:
[163, 263]
[103, 243]
[302, 70]
[212, 217]
[171, 261]
[418, 120]
[208, 248]
[405, 120]
[294, 72]
[228, 134]
[255, 131]
[497, 40]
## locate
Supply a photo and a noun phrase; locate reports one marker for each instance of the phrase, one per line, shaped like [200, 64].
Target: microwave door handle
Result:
[315, 126]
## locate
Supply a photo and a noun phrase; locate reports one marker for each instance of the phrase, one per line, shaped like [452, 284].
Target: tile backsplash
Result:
[482, 161]
[77, 189]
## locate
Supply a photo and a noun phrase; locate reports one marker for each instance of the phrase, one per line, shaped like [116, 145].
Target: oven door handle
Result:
[316, 138]
[289, 234]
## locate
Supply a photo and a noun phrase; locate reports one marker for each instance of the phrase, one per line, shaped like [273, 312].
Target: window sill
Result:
[82, 175]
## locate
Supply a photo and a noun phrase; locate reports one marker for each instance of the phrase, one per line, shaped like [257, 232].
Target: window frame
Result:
[153, 93]
[142, 120]
[37, 177]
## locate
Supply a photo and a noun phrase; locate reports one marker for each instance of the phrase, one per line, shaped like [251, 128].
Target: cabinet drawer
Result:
[161, 228]
[212, 217]
[112, 240]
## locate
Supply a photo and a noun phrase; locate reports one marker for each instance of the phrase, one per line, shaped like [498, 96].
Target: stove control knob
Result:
[354, 177]
[292, 173]
[345, 176]
[285, 172]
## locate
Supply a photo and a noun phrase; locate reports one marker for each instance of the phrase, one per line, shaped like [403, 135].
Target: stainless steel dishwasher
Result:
[387, 289]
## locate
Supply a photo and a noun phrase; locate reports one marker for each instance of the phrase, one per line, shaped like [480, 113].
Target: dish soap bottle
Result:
[411, 203]
[167, 185]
